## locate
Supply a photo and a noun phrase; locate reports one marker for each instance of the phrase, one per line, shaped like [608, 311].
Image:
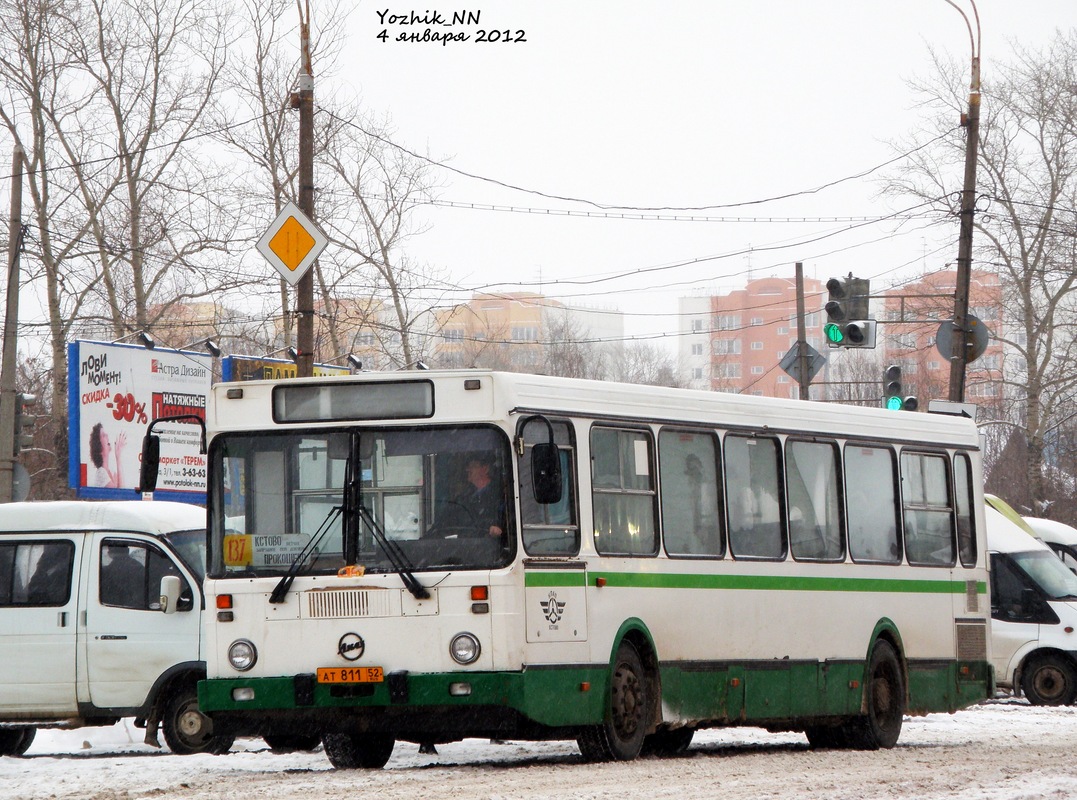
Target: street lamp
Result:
[211, 346]
[144, 339]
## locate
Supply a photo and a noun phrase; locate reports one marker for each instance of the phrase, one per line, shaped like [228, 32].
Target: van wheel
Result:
[358, 750]
[628, 713]
[292, 743]
[187, 730]
[16, 741]
[1049, 680]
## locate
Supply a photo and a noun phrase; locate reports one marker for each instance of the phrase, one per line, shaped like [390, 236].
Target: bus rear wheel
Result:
[1049, 680]
[358, 750]
[628, 713]
[885, 700]
[16, 741]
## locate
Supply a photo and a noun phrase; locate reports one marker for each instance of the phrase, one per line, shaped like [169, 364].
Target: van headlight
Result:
[242, 654]
[464, 648]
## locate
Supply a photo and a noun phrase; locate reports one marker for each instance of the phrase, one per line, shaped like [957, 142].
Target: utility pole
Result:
[802, 336]
[304, 303]
[8, 395]
[960, 353]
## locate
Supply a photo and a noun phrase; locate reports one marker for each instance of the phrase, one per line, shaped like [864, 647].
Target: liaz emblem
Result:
[553, 609]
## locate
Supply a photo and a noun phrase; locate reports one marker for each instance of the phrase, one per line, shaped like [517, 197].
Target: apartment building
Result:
[734, 342]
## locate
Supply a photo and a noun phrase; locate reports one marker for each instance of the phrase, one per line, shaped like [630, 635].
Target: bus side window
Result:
[966, 533]
[688, 472]
[549, 528]
[871, 498]
[928, 512]
[753, 492]
[623, 495]
[811, 470]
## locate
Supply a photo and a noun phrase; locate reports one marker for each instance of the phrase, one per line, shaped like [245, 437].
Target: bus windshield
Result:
[440, 496]
[1047, 571]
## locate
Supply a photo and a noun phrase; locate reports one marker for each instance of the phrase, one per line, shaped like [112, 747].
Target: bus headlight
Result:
[242, 655]
[464, 648]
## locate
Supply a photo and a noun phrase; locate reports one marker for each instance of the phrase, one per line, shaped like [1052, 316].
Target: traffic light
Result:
[893, 392]
[24, 423]
[847, 313]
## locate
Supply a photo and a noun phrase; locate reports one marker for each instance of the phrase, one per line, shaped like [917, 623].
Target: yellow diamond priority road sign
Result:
[292, 243]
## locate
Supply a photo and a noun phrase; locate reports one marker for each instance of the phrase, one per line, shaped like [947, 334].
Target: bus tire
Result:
[1049, 680]
[187, 730]
[358, 750]
[292, 743]
[667, 743]
[884, 696]
[628, 712]
[16, 741]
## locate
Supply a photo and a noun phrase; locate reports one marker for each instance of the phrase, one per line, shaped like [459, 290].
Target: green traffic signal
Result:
[894, 403]
[834, 333]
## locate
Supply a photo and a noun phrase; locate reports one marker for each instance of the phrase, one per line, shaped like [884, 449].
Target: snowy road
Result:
[1004, 750]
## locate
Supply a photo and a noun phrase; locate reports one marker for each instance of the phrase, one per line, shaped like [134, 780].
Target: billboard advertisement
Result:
[114, 392]
[255, 368]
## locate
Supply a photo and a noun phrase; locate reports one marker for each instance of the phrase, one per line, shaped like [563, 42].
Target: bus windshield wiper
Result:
[280, 591]
[401, 564]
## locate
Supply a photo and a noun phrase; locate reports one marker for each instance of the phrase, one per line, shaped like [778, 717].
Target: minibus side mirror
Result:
[171, 586]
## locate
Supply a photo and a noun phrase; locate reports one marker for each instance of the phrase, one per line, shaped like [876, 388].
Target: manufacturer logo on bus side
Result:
[553, 609]
[351, 646]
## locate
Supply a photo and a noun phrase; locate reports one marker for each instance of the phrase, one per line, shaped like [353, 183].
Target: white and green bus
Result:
[652, 561]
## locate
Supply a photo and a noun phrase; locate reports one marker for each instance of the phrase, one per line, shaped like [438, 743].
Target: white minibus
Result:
[1033, 614]
[100, 619]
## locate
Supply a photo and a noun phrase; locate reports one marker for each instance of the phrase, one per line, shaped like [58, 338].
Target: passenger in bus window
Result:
[48, 585]
[122, 578]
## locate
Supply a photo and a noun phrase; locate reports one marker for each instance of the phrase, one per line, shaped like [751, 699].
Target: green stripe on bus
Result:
[788, 583]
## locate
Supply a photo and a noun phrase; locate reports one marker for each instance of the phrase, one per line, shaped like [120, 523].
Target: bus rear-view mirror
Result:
[151, 462]
[546, 473]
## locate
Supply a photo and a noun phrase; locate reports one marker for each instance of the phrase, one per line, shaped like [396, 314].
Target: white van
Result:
[1059, 536]
[100, 618]
[1033, 614]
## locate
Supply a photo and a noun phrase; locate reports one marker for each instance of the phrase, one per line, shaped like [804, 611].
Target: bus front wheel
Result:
[628, 713]
[884, 697]
[358, 750]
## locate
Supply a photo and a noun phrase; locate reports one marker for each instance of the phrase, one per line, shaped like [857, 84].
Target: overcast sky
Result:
[646, 104]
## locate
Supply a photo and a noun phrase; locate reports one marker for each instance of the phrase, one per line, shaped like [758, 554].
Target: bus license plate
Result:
[350, 675]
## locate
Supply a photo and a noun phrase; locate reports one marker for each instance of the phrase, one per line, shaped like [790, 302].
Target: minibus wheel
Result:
[358, 750]
[187, 730]
[1049, 680]
[16, 741]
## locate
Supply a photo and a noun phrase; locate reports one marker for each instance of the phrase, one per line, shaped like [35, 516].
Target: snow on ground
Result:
[1003, 750]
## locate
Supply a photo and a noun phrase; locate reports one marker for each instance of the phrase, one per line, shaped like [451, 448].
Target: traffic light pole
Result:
[8, 394]
[802, 337]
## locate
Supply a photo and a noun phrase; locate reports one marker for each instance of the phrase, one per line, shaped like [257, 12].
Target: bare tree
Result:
[1027, 176]
[377, 186]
